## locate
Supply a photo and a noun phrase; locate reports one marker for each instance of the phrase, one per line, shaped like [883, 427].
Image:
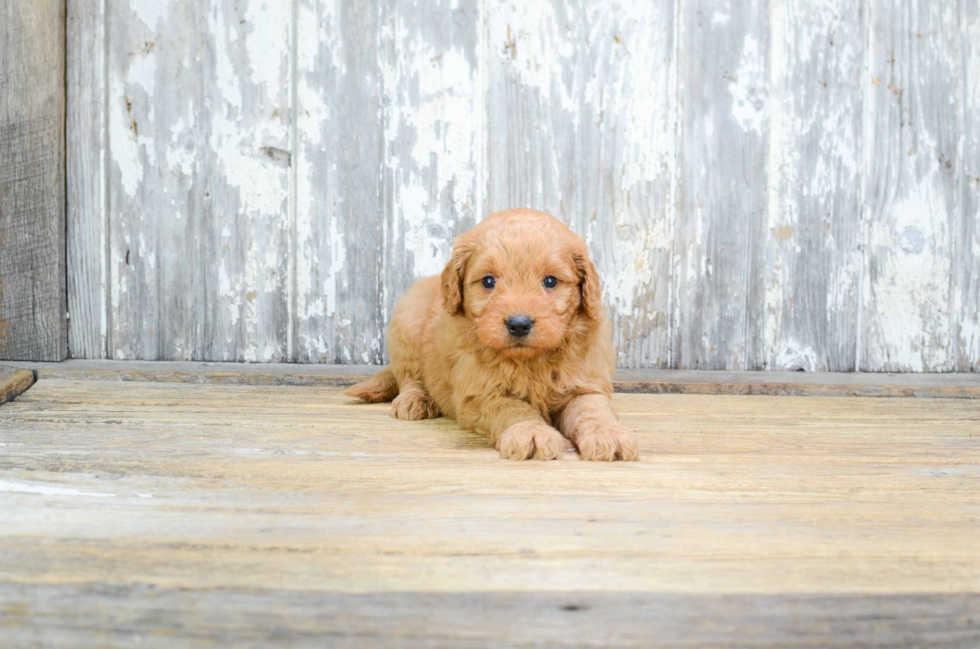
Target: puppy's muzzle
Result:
[519, 326]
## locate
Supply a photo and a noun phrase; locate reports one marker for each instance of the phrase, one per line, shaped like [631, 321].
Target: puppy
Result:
[511, 341]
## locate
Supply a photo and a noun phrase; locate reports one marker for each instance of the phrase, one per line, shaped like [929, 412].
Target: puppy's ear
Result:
[588, 284]
[452, 277]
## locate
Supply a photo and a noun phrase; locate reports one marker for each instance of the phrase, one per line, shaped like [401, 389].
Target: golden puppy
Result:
[512, 341]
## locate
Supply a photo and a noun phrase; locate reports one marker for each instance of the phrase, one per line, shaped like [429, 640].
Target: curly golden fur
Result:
[524, 357]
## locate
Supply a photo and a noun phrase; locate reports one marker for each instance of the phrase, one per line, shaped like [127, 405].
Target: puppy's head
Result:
[525, 281]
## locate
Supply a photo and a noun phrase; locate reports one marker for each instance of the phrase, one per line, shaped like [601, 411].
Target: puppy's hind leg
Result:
[380, 387]
[405, 340]
[409, 399]
[413, 403]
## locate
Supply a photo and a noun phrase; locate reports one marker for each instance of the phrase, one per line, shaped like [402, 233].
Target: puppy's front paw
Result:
[413, 405]
[527, 439]
[605, 441]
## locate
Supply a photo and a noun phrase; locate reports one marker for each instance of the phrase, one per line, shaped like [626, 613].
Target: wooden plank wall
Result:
[779, 185]
[966, 262]
[32, 180]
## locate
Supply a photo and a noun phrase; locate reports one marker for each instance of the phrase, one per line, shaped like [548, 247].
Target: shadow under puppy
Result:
[511, 341]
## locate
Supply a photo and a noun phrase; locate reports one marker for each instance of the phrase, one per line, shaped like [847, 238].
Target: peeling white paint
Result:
[793, 356]
[911, 273]
[150, 12]
[814, 157]
[910, 317]
[634, 271]
[750, 88]
[48, 490]
[228, 81]
[266, 31]
[781, 208]
[130, 149]
[969, 294]
[338, 259]
[260, 184]
[589, 96]
[431, 116]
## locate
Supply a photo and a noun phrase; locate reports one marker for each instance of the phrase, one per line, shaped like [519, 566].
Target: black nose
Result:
[519, 325]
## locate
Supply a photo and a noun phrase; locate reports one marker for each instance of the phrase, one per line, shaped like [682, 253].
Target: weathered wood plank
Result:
[814, 236]
[214, 373]
[912, 196]
[235, 514]
[967, 240]
[87, 143]
[32, 180]
[653, 381]
[811, 384]
[434, 136]
[720, 241]
[581, 123]
[199, 141]
[13, 382]
[162, 617]
[246, 106]
[255, 215]
[338, 315]
[158, 134]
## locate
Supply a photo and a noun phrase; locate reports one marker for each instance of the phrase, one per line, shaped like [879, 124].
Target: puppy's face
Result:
[524, 282]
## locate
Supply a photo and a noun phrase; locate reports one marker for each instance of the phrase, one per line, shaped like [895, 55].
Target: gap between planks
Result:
[644, 381]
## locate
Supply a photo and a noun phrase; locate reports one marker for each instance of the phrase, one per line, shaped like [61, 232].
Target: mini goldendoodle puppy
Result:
[512, 341]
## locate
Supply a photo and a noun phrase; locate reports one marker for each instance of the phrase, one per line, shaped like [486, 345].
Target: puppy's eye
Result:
[489, 282]
[550, 281]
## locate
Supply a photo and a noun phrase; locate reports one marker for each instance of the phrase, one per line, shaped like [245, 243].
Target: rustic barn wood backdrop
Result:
[32, 180]
[784, 184]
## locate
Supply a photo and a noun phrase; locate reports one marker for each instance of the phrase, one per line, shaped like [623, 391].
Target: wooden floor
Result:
[186, 515]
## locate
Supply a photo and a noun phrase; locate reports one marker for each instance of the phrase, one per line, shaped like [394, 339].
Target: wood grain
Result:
[813, 238]
[87, 148]
[720, 241]
[32, 180]
[338, 315]
[138, 616]
[247, 226]
[742, 174]
[434, 132]
[912, 177]
[14, 381]
[157, 184]
[762, 515]
[967, 240]
[199, 264]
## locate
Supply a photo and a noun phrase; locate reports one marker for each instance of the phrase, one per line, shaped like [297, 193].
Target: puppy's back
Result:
[414, 313]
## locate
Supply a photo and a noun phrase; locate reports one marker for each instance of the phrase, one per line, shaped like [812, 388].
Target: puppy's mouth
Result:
[521, 348]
